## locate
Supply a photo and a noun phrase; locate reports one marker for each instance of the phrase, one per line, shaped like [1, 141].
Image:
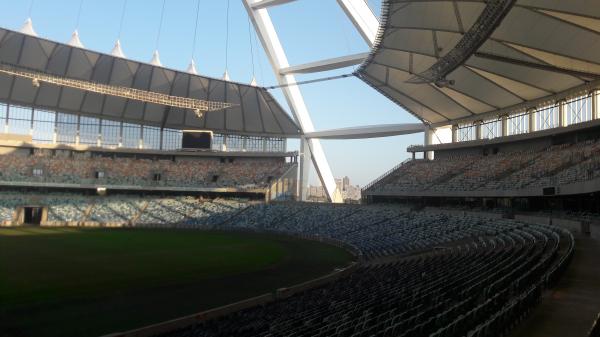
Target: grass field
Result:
[90, 282]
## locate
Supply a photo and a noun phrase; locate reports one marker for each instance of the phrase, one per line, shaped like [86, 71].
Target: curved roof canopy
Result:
[256, 112]
[462, 60]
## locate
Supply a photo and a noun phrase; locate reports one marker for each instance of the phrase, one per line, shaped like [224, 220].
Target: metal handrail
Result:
[378, 179]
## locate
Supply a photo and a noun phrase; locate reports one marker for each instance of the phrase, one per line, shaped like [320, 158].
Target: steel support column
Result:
[531, 115]
[595, 112]
[363, 18]
[454, 133]
[428, 137]
[274, 50]
[303, 170]
[562, 114]
[478, 131]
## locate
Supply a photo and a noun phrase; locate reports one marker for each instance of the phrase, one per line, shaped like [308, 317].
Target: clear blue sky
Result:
[309, 30]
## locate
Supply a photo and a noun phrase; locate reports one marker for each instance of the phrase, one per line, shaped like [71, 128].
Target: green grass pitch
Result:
[90, 282]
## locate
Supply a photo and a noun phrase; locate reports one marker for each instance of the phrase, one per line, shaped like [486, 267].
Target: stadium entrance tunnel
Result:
[32, 215]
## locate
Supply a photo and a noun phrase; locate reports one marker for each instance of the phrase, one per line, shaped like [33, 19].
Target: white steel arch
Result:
[366, 23]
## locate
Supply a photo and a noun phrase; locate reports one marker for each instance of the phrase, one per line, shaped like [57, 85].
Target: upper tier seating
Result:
[82, 168]
[556, 165]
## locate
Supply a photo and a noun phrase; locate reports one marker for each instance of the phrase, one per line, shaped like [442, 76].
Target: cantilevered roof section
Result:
[461, 60]
[256, 112]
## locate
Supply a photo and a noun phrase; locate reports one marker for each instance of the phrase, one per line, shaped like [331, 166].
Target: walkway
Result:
[571, 307]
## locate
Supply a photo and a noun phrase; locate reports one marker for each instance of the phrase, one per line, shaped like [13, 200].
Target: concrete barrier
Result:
[186, 321]
[540, 220]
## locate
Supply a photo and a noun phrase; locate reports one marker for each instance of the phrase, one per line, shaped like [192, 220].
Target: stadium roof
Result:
[256, 111]
[451, 61]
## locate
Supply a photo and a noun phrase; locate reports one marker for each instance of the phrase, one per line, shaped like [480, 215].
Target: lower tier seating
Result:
[423, 273]
[480, 287]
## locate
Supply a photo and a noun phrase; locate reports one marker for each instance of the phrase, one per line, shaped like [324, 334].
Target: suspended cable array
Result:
[198, 106]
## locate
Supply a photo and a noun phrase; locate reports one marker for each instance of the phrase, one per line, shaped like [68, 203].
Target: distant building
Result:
[350, 193]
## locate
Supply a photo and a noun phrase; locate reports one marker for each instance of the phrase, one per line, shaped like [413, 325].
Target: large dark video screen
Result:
[196, 140]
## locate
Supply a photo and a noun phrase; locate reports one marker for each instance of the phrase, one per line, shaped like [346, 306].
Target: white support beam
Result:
[325, 65]
[363, 19]
[595, 111]
[428, 140]
[370, 131]
[268, 3]
[274, 50]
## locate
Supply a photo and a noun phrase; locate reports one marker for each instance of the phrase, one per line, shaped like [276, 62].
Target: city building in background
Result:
[350, 193]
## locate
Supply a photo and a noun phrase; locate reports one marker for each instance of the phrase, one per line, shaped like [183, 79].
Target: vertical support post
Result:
[478, 133]
[7, 118]
[595, 112]
[120, 134]
[162, 132]
[454, 134]
[55, 131]
[427, 141]
[531, 115]
[31, 122]
[303, 170]
[504, 125]
[78, 128]
[141, 139]
[274, 50]
[562, 115]
[99, 138]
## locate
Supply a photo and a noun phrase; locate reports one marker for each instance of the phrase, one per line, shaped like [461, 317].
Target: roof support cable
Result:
[30, 10]
[122, 19]
[78, 15]
[192, 67]
[117, 51]
[323, 79]
[75, 41]
[253, 81]
[226, 74]
[27, 27]
[156, 57]
[160, 23]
